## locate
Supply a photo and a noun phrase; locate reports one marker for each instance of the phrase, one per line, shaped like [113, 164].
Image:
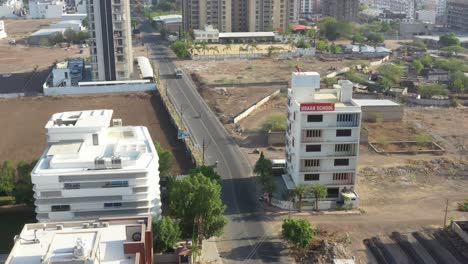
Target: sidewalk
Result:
[210, 252]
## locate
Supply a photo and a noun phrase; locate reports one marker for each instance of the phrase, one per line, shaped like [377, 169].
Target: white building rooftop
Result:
[85, 141]
[168, 19]
[246, 34]
[76, 242]
[375, 102]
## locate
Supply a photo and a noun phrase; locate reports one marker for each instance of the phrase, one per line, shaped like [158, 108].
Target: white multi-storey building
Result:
[91, 169]
[47, 8]
[398, 6]
[11, 8]
[322, 139]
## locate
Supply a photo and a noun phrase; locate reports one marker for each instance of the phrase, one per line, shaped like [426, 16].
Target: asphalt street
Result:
[249, 237]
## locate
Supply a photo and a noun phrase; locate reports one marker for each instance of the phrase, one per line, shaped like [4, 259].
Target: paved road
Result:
[248, 238]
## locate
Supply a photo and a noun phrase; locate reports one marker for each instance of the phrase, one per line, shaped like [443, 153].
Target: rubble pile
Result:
[327, 252]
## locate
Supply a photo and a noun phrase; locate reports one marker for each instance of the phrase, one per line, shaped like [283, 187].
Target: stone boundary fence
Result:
[293, 54]
[249, 110]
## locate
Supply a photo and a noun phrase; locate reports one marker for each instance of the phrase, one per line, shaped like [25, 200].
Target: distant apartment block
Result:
[398, 6]
[310, 7]
[241, 15]
[346, 10]
[110, 40]
[457, 15]
[11, 8]
[322, 138]
[95, 167]
[127, 240]
[3, 33]
[47, 8]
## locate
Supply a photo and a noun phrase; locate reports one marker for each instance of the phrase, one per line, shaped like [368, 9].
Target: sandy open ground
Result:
[24, 136]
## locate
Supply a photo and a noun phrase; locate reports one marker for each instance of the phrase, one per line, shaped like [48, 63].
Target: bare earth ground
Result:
[402, 193]
[23, 58]
[24, 136]
[255, 70]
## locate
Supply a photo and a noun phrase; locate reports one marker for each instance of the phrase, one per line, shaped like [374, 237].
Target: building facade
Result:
[11, 8]
[91, 169]
[457, 15]
[110, 40]
[241, 15]
[322, 138]
[310, 7]
[398, 6]
[198, 13]
[46, 8]
[126, 240]
[346, 10]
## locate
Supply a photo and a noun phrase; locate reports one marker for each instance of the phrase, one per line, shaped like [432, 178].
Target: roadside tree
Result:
[449, 39]
[196, 202]
[298, 233]
[300, 191]
[7, 177]
[263, 169]
[166, 234]
[165, 159]
[319, 191]
[181, 49]
[207, 171]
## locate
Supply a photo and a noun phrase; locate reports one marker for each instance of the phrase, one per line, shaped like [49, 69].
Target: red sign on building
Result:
[312, 107]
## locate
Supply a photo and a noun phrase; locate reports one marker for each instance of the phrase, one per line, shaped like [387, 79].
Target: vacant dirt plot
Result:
[214, 49]
[229, 102]
[22, 28]
[23, 58]
[24, 136]
[234, 71]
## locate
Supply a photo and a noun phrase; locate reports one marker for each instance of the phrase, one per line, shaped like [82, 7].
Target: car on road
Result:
[178, 73]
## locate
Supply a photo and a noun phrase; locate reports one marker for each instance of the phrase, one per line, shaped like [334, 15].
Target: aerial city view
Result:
[233, 131]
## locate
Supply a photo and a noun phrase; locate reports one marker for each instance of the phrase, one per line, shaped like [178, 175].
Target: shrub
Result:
[275, 122]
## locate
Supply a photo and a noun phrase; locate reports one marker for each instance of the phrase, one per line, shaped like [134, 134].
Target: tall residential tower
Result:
[110, 39]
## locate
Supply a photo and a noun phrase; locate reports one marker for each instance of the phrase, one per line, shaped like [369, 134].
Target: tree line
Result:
[16, 181]
[69, 36]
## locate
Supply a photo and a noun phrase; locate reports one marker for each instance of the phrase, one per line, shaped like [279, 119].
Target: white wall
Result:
[2, 30]
[145, 87]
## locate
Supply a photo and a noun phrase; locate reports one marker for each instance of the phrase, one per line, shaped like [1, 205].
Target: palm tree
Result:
[291, 44]
[301, 190]
[204, 47]
[319, 191]
[215, 49]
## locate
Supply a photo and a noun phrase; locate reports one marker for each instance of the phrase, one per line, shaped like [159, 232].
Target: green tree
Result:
[311, 33]
[431, 89]
[427, 60]
[263, 169]
[329, 82]
[358, 38]
[275, 122]
[165, 159]
[385, 83]
[207, 171]
[363, 7]
[57, 38]
[449, 39]
[7, 177]
[321, 45]
[458, 82]
[81, 36]
[454, 49]
[134, 23]
[181, 49]
[165, 6]
[85, 22]
[298, 233]
[392, 72]
[23, 190]
[196, 202]
[354, 77]
[375, 37]
[335, 49]
[333, 29]
[69, 35]
[303, 44]
[300, 191]
[319, 192]
[417, 66]
[166, 233]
